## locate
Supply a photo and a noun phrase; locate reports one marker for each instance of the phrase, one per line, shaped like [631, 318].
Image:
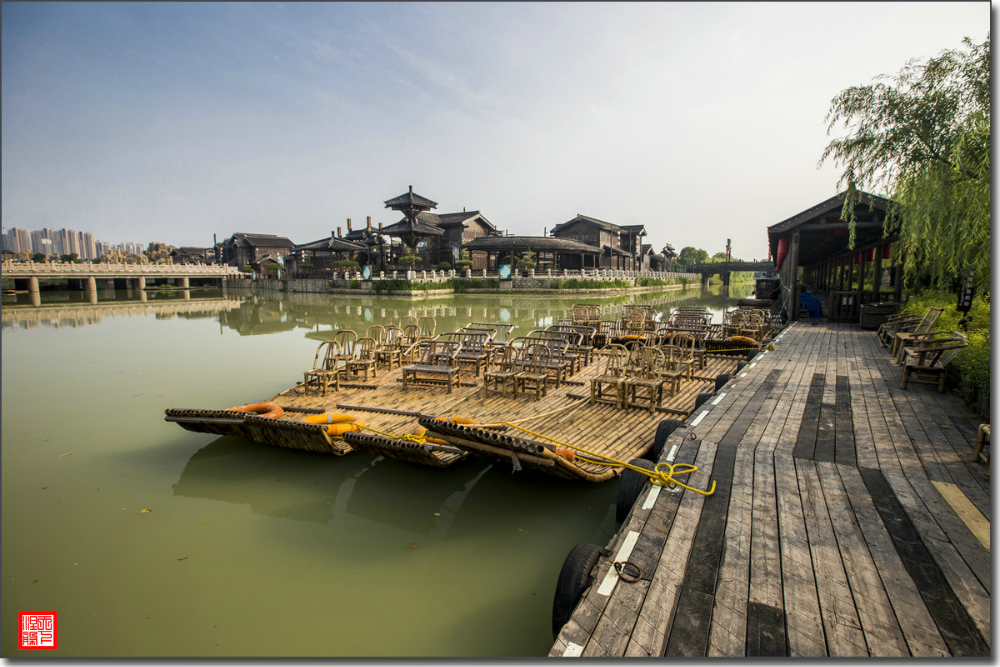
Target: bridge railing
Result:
[12, 267]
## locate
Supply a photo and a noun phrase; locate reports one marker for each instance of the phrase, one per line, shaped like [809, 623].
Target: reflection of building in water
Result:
[81, 314]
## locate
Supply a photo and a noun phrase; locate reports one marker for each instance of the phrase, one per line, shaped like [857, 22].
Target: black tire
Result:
[574, 578]
[740, 365]
[701, 398]
[751, 354]
[663, 431]
[720, 380]
[631, 486]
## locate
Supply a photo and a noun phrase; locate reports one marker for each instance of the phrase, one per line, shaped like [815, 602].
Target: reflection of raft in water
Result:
[558, 433]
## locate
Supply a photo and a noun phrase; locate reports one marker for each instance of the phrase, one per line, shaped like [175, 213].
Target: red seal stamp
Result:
[37, 630]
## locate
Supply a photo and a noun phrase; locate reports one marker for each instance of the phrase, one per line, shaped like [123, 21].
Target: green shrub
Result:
[970, 370]
[305, 265]
[463, 263]
[525, 264]
[246, 268]
[584, 283]
[344, 264]
[653, 282]
[407, 260]
[355, 284]
[444, 266]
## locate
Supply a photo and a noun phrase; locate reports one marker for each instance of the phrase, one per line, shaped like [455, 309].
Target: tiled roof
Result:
[583, 218]
[330, 244]
[404, 228]
[544, 243]
[408, 199]
[263, 240]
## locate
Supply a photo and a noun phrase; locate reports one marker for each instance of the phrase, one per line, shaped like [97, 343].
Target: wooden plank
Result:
[844, 636]
[805, 443]
[806, 637]
[846, 453]
[957, 628]
[915, 622]
[765, 632]
[882, 633]
[966, 511]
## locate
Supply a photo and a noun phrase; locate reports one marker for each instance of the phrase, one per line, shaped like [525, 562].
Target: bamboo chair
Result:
[428, 326]
[690, 352]
[408, 342]
[324, 370]
[406, 321]
[674, 369]
[376, 331]
[616, 359]
[903, 337]
[930, 354]
[437, 365]
[363, 359]
[475, 349]
[346, 339]
[390, 352]
[644, 384]
[534, 374]
[506, 374]
[894, 323]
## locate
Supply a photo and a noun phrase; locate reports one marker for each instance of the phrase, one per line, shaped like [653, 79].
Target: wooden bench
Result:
[437, 366]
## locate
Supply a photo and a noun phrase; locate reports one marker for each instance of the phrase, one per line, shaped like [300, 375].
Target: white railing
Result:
[16, 268]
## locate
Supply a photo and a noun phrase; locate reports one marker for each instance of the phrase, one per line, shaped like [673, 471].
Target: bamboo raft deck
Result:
[564, 414]
[848, 519]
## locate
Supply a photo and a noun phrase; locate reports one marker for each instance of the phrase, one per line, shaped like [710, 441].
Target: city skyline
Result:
[701, 121]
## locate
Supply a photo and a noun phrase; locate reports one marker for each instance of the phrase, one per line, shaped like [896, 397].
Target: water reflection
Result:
[414, 498]
[78, 309]
[272, 481]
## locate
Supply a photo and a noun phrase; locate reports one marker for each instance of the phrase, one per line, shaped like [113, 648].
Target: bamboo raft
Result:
[523, 432]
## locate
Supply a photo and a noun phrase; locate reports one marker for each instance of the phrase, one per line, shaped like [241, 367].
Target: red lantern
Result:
[782, 253]
[857, 258]
[870, 255]
[887, 251]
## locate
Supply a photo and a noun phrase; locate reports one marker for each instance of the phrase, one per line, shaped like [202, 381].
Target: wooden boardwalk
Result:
[848, 520]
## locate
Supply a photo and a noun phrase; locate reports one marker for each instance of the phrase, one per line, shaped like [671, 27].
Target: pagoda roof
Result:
[331, 244]
[410, 199]
[543, 243]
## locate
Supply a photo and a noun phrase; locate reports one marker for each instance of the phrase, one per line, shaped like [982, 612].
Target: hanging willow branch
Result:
[922, 136]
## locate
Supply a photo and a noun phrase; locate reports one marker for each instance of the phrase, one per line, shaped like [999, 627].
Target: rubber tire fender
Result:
[739, 365]
[574, 578]
[701, 398]
[720, 380]
[630, 487]
[751, 354]
[663, 431]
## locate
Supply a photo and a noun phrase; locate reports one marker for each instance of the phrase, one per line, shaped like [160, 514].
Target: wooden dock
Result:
[848, 519]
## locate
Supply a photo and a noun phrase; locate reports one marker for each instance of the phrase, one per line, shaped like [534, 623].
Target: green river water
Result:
[249, 550]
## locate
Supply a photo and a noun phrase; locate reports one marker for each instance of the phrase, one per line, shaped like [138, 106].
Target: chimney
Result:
[369, 222]
[463, 209]
[545, 231]
[411, 189]
[380, 226]
[348, 225]
[338, 232]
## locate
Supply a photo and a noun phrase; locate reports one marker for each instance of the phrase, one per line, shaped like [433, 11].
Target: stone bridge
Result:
[725, 269]
[26, 275]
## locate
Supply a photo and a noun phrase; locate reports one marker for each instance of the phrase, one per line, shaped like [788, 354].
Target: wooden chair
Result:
[690, 352]
[376, 331]
[324, 371]
[894, 323]
[904, 335]
[616, 359]
[675, 367]
[930, 354]
[437, 365]
[644, 381]
[982, 436]
[410, 337]
[475, 349]
[428, 327]
[363, 360]
[390, 353]
[505, 375]
[407, 321]
[535, 361]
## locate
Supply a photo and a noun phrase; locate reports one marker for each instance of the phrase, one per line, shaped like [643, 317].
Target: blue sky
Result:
[176, 121]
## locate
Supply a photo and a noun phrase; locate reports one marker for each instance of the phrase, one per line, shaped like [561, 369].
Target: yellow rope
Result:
[661, 475]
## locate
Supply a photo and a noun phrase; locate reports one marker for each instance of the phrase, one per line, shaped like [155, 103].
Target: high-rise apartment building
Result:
[70, 241]
[102, 248]
[20, 239]
[88, 249]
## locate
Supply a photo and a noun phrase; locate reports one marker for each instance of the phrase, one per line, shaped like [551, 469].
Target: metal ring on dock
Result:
[620, 569]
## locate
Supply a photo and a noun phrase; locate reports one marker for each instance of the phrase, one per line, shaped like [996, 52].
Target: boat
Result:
[767, 288]
[561, 429]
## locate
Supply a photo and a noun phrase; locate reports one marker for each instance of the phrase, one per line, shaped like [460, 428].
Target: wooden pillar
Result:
[861, 278]
[898, 291]
[793, 277]
[878, 274]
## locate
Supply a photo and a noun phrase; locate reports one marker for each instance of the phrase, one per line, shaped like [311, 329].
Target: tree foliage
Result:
[922, 138]
[692, 255]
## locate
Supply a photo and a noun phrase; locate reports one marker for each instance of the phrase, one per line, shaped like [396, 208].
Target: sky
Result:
[175, 122]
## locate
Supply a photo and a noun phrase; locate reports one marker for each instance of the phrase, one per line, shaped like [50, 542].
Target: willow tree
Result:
[922, 138]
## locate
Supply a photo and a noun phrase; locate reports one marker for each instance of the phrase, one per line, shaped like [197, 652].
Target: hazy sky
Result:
[701, 121]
